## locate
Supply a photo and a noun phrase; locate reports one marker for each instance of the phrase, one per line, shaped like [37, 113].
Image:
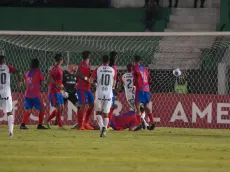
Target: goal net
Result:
[199, 98]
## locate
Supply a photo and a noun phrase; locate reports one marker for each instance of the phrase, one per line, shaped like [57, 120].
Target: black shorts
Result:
[72, 97]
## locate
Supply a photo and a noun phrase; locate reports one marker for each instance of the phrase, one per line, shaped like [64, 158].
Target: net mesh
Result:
[198, 98]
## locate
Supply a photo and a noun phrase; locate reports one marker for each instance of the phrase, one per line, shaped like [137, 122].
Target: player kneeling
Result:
[34, 79]
[106, 79]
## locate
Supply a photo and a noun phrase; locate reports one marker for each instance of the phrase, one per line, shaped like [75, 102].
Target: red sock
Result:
[26, 116]
[52, 115]
[58, 117]
[110, 116]
[41, 117]
[139, 119]
[80, 115]
[151, 118]
[88, 115]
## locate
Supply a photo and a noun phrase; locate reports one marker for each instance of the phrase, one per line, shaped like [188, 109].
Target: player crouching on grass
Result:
[34, 79]
[55, 90]
[141, 86]
[127, 120]
[106, 79]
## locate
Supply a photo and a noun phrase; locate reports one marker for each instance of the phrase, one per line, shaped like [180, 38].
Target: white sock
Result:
[100, 121]
[106, 122]
[143, 115]
[11, 123]
[146, 124]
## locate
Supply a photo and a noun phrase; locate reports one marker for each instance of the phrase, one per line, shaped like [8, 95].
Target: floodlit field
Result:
[164, 150]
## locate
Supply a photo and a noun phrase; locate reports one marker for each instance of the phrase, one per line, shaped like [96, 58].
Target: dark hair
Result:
[58, 57]
[129, 67]
[34, 63]
[137, 58]
[105, 59]
[2, 58]
[85, 55]
[113, 56]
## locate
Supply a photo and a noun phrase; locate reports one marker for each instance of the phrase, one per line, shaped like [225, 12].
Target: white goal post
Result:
[203, 58]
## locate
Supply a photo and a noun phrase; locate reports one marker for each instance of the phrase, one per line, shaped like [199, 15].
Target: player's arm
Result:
[134, 78]
[93, 76]
[79, 73]
[18, 73]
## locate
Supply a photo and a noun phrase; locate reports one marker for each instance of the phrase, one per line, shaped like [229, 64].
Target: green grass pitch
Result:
[162, 150]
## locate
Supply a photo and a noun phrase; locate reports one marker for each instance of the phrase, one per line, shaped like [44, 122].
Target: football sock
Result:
[106, 122]
[88, 114]
[52, 115]
[26, 116]
[143, 115]
[138, 119]
[11, 123]
[58, 117]
[151, 118]
[110, 116]
[146, 124]
[80, 115]
[100, 121]
[41, 117]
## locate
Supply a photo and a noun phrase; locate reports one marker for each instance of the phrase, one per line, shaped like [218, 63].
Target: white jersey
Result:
[127, 80]
[105, 80]
[5, 81]
[5, 91]
[104, 92]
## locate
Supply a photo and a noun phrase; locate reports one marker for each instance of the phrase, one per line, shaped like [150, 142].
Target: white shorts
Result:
[130, 97]
[103, 105]
[6, 105]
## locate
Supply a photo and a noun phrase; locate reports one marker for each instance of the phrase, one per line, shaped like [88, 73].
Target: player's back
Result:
[57, 75]
[105, 81]
[127, 80]
[141, 77]
[33, 79]
[5, 80]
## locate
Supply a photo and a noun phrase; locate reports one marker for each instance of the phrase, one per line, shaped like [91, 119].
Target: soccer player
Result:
[127, 120]
[70, 82]
[55, 87]
[34, 79]
[106, 80]
[127, 81]
[85, 96]
[141, 86]
[112, 63]
[5, 91]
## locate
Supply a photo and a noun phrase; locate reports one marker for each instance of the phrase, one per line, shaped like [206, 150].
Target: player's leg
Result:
[59, 109]
[28, 105]
[106, 105]
[39, 106]
[111, 111]
[82, 105]
[89, 111]
[138, 100]
[53, 113]
[98, 110]
[7, 106]
[148, 110]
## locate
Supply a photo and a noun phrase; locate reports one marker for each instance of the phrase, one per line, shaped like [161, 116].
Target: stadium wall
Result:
[77, 19]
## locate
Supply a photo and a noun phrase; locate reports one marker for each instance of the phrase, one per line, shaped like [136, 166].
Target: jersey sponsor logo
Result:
[3, 98]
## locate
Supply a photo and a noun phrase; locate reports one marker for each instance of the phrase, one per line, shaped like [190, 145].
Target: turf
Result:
[163, 150]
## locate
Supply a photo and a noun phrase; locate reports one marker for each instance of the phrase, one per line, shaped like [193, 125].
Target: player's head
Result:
[2, 59]
[113, 58]
[86, 56]
[129, 67]
[58, 58]
[71, 68]
[105, 60]
[137, 59]
[34, 64]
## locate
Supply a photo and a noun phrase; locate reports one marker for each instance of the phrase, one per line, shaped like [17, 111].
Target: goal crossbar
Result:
[45, 33]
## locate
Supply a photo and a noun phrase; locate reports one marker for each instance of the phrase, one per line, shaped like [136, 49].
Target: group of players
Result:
[136, 83]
